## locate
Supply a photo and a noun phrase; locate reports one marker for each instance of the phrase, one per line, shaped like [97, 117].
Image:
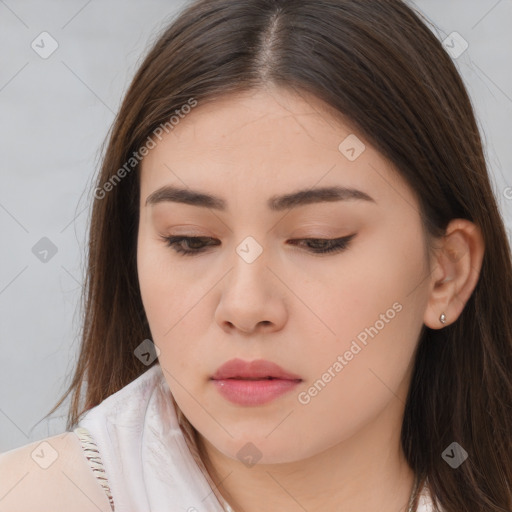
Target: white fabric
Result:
[146, 458]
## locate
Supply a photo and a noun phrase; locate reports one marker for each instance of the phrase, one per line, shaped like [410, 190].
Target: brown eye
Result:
[327, 245]
[196, 245]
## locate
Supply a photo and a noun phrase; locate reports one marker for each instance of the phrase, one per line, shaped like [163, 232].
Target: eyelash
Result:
[336, 245]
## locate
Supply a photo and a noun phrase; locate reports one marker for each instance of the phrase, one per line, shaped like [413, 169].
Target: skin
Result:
[66, 484]
[340, 451]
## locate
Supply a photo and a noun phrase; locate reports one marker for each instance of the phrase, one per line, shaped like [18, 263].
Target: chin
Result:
[260, 450]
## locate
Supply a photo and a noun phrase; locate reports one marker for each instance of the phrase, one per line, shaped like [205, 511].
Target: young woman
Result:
[299, 288]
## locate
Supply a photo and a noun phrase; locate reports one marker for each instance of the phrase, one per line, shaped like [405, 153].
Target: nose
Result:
[251, 299]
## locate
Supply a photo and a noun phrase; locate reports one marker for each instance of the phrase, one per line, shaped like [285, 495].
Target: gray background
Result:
[55, 113]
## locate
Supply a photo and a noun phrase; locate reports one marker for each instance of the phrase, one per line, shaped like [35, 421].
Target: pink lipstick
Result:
[253, 383]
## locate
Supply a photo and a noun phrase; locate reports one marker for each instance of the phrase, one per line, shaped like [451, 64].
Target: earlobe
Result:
[456, 272]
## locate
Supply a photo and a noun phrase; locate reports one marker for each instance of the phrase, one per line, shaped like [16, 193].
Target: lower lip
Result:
[253, 392]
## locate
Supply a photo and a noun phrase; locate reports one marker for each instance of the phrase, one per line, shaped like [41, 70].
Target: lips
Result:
[253, 383]
[259, 369]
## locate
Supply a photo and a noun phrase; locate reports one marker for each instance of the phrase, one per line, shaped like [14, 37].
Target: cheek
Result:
[156, 290]
[173, 308]
[376, 311]
[161, 292]
[351, 383]
[365, 295]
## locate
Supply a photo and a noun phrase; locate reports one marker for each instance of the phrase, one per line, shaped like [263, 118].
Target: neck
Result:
[367, 471]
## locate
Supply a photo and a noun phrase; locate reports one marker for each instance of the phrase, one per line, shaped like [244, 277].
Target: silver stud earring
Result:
[443, 318]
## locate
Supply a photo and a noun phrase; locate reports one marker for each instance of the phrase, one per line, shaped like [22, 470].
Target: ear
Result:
[455, 272]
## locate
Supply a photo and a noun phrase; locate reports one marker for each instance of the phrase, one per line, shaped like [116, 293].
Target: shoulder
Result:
[51, 474]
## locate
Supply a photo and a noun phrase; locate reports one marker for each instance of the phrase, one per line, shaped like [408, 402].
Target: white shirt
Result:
[146, 459]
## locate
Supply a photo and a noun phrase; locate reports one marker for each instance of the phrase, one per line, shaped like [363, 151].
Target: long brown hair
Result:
[378, 65]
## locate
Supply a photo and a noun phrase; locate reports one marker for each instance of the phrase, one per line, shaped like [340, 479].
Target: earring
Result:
[443, 318]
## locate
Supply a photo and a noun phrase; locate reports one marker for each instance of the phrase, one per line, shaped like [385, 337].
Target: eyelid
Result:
[335, 245]
[298, 236]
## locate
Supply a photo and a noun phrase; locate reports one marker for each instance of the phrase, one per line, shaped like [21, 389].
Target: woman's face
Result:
[345, 323]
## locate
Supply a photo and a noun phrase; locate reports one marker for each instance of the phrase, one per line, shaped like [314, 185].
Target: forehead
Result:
[260, 143]
[256, 119]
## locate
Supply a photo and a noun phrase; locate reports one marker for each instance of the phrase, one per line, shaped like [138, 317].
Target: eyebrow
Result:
[169, 193]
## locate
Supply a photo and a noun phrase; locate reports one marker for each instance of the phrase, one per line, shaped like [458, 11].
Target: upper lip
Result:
[257, 369]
